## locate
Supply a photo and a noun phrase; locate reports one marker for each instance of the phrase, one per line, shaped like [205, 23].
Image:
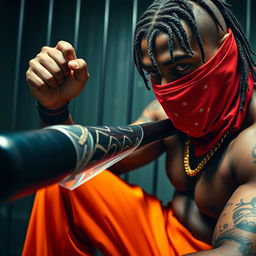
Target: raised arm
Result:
[55, 76]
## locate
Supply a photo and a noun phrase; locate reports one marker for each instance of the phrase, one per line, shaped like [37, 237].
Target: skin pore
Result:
[184, 63]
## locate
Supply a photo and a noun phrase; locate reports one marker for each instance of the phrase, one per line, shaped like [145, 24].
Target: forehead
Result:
[160, 43]
[208, 30]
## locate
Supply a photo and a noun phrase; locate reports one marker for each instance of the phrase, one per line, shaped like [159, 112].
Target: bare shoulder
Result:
[242, 154]
[152, 112]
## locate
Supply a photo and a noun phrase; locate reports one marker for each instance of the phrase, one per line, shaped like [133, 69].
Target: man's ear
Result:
[223, 39]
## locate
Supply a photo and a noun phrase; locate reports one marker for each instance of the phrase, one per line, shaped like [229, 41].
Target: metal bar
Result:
[103, 64]
[131, 72]
[9, 207]
[132, 67]
[49, 24]
[248, 18]
[77, 23]
[75, 43]
[17, 64]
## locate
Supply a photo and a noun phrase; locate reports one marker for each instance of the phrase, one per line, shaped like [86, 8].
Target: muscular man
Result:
[201, 71]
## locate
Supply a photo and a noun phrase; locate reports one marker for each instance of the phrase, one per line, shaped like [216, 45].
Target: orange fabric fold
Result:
[108, 214]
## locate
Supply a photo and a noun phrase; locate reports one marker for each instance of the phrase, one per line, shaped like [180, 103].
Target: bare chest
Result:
[211, 188]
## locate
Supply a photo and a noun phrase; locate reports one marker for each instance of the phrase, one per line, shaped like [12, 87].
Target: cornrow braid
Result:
[137, 57]
[192, 23]
[157, 13]
[178, 27]
[246, 62]
[151, 39]
[168, 14]
[179, 32]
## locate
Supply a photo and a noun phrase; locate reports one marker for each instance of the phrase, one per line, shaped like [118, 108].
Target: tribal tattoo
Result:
[254, 155]
[244, 219]
[244, 216]
[246, 245]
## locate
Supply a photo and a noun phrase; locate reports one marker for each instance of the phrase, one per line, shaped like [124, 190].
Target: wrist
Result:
[53, 116]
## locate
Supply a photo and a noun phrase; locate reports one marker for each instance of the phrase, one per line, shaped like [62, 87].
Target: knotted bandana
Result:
[205, 103]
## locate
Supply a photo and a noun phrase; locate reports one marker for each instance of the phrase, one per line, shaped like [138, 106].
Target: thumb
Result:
[79, 70]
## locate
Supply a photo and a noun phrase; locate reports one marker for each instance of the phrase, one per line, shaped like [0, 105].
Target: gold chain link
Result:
[205, 160]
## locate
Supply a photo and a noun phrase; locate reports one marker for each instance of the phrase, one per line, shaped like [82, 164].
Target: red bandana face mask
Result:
[205, 103]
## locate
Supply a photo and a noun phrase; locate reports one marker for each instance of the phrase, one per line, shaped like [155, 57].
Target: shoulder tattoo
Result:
[254, 154]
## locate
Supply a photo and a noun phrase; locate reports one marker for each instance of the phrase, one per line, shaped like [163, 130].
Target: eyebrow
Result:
[170, 61]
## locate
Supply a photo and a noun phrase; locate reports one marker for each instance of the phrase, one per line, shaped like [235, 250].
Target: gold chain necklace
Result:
[201, 165]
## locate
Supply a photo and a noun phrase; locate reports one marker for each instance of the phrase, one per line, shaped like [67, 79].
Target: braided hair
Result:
[163, 16]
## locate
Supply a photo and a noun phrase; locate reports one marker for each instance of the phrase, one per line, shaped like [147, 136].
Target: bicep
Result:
[236, 226]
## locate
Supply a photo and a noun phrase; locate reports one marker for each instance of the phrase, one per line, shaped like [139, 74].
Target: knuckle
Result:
[45, 48]
[84, 63]
[31, 62]
[64, 45]
[27, 76]
[61, 42]
[32, 82]
[28, 73]
[39, 56]
[68, 47]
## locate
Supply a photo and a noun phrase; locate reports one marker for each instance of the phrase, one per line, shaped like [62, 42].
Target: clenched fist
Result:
[56, 76]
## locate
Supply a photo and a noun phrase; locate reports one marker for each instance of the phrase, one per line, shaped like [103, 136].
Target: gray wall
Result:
[101, 32]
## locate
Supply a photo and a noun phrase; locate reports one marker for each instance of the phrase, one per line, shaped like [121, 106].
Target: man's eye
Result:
[182, 67]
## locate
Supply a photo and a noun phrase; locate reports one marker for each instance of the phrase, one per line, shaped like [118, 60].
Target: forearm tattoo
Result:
[242, 228]
[254, 155]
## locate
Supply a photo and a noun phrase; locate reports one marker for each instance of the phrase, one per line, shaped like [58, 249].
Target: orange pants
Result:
[108, 214]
